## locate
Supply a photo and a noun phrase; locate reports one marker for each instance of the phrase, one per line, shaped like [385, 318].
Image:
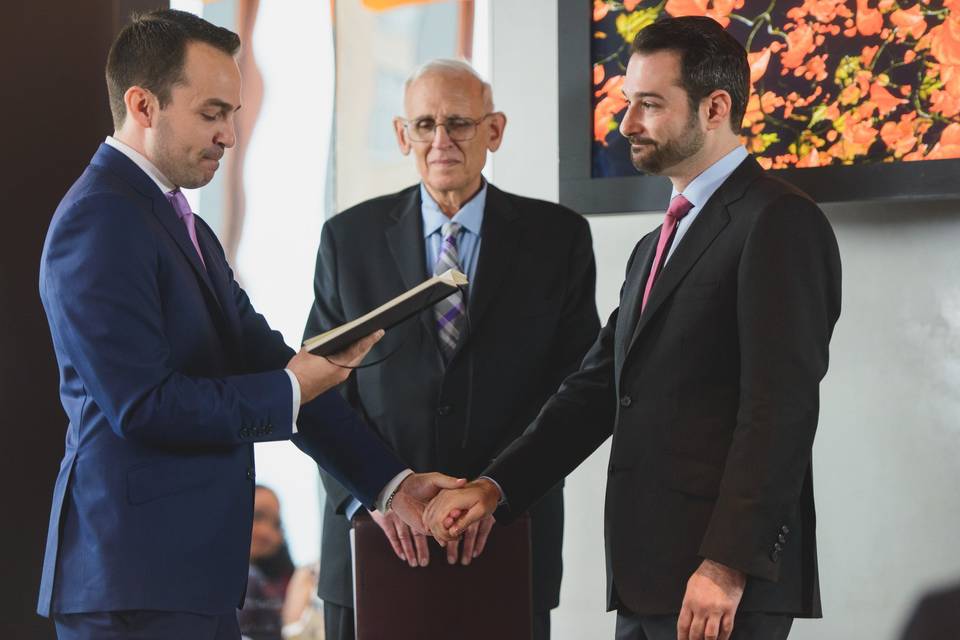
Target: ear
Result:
[142, 106]
[718, 105]
[401, 134]
[497, 123]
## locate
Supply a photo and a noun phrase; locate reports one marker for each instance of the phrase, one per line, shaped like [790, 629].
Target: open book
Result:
[390, 314]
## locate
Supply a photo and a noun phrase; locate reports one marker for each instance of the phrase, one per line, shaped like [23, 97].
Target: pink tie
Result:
[182, 207]
[679, 207]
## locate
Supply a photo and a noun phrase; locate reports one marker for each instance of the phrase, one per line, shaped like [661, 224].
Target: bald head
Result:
[453, 73]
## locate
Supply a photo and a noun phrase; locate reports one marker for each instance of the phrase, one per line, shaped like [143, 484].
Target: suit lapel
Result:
[709, 223]
[171, 223]
[114, 161]
[498, 250]
[220, 278]
[633, 287]
[405, 240]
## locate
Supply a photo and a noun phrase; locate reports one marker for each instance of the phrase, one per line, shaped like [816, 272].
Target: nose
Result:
[441, 140]
[227, 133]
[630, 125]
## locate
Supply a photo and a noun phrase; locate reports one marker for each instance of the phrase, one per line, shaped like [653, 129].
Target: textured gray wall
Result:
[886, 456]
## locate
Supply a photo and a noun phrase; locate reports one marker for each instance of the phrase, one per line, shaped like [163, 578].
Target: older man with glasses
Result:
[462, 380]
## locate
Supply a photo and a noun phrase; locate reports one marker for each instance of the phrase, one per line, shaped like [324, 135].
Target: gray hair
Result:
[449, 66]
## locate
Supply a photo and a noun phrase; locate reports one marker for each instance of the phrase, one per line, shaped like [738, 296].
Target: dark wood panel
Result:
[54, 113]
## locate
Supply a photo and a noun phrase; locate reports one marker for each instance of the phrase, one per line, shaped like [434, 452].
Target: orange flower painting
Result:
[833, 82]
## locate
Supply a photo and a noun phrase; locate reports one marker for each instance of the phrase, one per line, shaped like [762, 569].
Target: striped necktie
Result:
[450, 312]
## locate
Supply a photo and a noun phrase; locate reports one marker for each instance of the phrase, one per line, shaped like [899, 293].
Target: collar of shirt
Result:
[699, 191]
[145, 165]
[702, 188]
[470, 215]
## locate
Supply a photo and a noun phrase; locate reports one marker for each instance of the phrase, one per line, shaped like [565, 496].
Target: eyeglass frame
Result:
[474, 121]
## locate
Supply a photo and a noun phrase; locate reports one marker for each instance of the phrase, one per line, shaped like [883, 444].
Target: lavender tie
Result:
[450, 312]
[182, 207]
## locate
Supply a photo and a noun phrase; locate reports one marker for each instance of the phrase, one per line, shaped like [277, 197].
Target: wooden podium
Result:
[490, 598]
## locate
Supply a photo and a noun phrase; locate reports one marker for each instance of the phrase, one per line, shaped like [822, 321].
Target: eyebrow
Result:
[220, 104]
[642, 94]
[447, 117]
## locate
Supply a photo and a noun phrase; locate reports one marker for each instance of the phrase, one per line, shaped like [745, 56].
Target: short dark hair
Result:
[710, 59]
[150, 52]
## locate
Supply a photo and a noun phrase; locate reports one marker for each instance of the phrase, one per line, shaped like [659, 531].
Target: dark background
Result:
[54, 113]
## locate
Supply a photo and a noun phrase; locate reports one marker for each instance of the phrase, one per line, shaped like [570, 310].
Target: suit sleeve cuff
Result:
[389, 490]
[503, 497]
[295, 386]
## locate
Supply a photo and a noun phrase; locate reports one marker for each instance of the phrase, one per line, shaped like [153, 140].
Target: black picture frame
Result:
[579, 190]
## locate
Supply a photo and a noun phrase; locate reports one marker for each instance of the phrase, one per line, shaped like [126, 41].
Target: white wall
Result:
[887, 451]
[284, 178]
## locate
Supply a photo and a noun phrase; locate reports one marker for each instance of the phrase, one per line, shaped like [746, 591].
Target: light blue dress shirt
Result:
[699, 192]
[470, 217]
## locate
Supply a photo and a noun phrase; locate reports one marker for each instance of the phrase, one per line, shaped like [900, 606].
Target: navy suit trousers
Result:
[146, 625]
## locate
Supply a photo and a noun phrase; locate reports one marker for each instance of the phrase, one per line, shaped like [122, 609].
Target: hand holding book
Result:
[319, 374]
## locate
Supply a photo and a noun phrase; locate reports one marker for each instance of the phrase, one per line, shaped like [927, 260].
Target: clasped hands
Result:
[448, 509]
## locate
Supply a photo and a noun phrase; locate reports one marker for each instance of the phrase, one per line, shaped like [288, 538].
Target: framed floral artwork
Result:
[850, 99]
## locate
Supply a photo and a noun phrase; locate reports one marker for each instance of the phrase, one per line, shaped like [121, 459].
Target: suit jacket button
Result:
[251, 474]
[777, 547]
[774, 555]
[782, 539]
[785, 529]
[625, 401]
[444, 410]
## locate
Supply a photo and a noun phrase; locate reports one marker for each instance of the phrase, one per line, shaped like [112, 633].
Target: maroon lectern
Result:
[490, 598]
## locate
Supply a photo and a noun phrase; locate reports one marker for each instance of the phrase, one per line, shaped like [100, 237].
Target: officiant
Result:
[463, 379]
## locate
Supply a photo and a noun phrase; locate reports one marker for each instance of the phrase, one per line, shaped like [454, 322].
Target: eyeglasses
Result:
[459, 128]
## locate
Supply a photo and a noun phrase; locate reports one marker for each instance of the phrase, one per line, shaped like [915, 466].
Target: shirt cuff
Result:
[352, 509]
[388, 490]
[503, 496]
[295, 386]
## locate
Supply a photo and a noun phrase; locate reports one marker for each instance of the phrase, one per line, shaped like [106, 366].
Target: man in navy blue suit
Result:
[168, 375]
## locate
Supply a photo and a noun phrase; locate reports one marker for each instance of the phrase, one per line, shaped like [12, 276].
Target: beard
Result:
[660, 156]
[179, 168]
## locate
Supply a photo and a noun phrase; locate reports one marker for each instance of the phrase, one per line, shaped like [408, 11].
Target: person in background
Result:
[936, 616]
[302, 612]
[270, 570]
